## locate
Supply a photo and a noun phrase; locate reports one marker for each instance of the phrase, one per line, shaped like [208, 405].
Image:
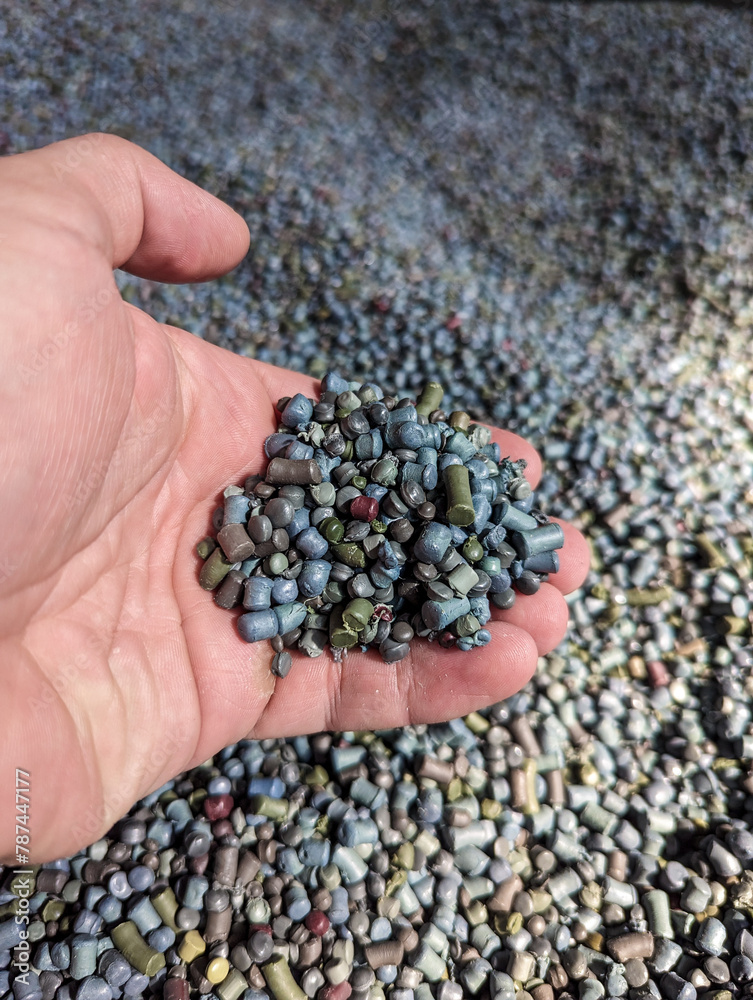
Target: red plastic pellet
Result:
[658, 674]
[176, 989]
[364, 508]
[218, 806]
[264, 928]
[317, 922]
[339, 992]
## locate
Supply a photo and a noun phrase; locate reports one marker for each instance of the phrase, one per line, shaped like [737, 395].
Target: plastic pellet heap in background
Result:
[378, 520]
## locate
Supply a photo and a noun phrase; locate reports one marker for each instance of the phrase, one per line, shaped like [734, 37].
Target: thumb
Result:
[144, 217]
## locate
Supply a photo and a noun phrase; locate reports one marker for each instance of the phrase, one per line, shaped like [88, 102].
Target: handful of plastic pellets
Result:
[378, 520]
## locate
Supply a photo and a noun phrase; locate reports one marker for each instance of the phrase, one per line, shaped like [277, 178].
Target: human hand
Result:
[118, 670]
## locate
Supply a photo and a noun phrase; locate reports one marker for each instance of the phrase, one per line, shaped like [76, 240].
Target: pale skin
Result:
[119, 434]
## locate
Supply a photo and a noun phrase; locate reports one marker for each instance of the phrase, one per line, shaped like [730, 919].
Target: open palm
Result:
[119, 434]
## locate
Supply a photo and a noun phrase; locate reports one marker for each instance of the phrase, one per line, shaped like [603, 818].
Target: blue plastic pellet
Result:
[427, 455]
[481, 610]
[311, 544]
[161, 938]
[257, 625]
[179, 811]
[276, 444]
[301, 521]
[440, 614]
[297, 903]
[83, 955]
[298, 410]
[26, 986]
[289, 616]
[313, 577]
[274, 787]
[137, 985]
[314, 852]
[257, 593]
[514, 519]
[235, 509]
[10, 934]
[544, 562]
[141, 877]
[118, 884]
[146, 918]
[192, 892]
[333, 382]
[92, 895]
[94, 988]
[42, 960]
[87, 922]
[114, 968]
[543, 539]
[288, 860]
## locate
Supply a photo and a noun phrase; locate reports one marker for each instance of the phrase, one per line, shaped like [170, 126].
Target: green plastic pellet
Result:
[205, 548]
[490, 809]
[459, 499]
[404, 856]
[541, 899]
[730, 625]
[341, 635]
[53, 909]
[715, 558]
[277, 563]
[316, 776]
[134, 949]
[430, 399]
[196, 799]
[346, 403]
[232, 985]
[351, 554]
[280, 980]
[476, 723]
[23, 883]
[459, 420]
[71, 890]
[214, 570]
[265, 805]
[357, 614]
[384, 472]
[332, 529]
[454, 789]
[473, 550]
[467, 625]
[323, 494]
[258, 911]
[428, 843]
[638, 598]
[462, 579]
[329, 876]
[166, 905]
[396, 880]
[476, 913]
[360, 482]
